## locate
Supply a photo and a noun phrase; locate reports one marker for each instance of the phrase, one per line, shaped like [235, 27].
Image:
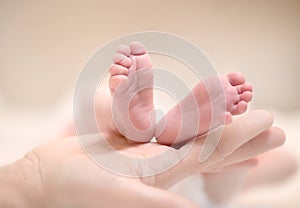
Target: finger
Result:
[247, 164]
[234, 135]
[264, 142]
[242, 165]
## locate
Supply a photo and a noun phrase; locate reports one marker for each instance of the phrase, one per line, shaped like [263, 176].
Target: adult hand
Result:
[247, 137]
[60, 174]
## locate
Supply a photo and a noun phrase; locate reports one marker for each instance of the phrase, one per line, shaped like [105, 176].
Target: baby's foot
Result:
[131, 85]
[224, 95]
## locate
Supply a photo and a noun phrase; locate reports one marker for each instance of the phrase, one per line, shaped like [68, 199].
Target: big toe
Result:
[137, 48]
[140, 57]
[236, 78]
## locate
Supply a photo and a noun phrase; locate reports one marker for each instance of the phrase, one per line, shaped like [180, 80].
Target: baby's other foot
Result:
[224, 95]
[131, 86]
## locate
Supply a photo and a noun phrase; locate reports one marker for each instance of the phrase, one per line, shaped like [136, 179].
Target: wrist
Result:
[21, 184]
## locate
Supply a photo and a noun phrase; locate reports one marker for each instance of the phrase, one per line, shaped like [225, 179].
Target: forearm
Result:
[20, 185]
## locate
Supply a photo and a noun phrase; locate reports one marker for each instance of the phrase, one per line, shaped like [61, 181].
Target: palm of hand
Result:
[70, 178]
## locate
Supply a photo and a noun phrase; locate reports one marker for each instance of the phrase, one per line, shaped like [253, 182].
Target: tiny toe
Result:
[124, 49]
[240, 108]
[236, 78]
[122, 60]
[116, 81]
[116, 69]
[245, 87]
[137, 48]
[246, 96]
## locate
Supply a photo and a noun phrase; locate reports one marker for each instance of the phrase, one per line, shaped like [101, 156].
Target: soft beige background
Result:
[44, 45]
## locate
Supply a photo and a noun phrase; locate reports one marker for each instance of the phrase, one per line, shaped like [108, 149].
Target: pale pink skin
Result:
[132, 105]
[227, 94]
[131, 71]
